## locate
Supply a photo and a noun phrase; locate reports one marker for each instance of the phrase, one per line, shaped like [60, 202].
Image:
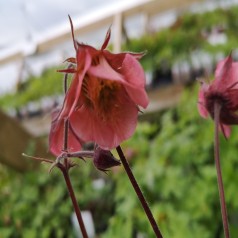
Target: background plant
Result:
[173, 159]
[171, 44]
[174, 162]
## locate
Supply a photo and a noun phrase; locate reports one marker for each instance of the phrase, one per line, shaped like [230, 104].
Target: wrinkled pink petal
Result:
[70, 97]
[130, 74]
[105, 71]
[73, 93]
[223, 67]
[115, 60]
[226, 130]
[56, 137]
[135, 80]
[109, 133]
[138, 95]
[201, 104]
[225, 74]
[85, 48]
[234, 70]
[202, 110]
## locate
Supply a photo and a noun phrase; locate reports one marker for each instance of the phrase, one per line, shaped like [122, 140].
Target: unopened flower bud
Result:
[104, 159]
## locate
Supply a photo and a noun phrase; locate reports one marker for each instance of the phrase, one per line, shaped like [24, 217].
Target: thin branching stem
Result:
[65, 170]
[66, 132]
[217, 108]
[139, 193]
[66, 79]
[74, 201]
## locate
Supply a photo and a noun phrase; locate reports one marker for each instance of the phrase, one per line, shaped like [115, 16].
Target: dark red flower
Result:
[224, 91]
[102, 101]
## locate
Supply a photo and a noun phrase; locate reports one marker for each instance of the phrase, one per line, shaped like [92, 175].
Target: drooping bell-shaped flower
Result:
[223, 90]
[106, 90]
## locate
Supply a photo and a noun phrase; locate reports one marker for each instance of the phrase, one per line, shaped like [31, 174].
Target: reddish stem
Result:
[65, 141]
[70, 66]
[139, 193]
[65, 170]
[74, 201]
[217, 109]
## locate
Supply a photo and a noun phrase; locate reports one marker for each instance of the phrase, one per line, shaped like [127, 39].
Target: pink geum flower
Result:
[224, 91]
[106, 90]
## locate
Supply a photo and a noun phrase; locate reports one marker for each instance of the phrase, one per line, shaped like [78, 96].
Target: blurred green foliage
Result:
[48, 84]
[170, 45]
[174, 166]
[173, 162]
[177, 174]
[36, 204]
[187, 35]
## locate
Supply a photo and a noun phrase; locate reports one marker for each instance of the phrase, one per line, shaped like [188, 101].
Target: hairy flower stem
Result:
[65, 170]
[139, 193]
[74, 201]
[66, 132]
[217, 108]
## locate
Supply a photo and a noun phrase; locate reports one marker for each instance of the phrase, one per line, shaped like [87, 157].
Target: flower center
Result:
[100, 96]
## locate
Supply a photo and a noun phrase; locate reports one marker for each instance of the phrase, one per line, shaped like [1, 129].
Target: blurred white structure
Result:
[88, 222]
[114, 15]
[50, 47]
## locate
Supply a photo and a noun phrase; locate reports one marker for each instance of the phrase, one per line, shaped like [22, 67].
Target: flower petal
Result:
[119, 125]
[56, 137]
[222, 67]
[225, 74]
[115, 60]
[73, 94]
[130, 74]
[202, 110]
[226, 130]
[134, 80]
[105, 71]
[201, 104]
